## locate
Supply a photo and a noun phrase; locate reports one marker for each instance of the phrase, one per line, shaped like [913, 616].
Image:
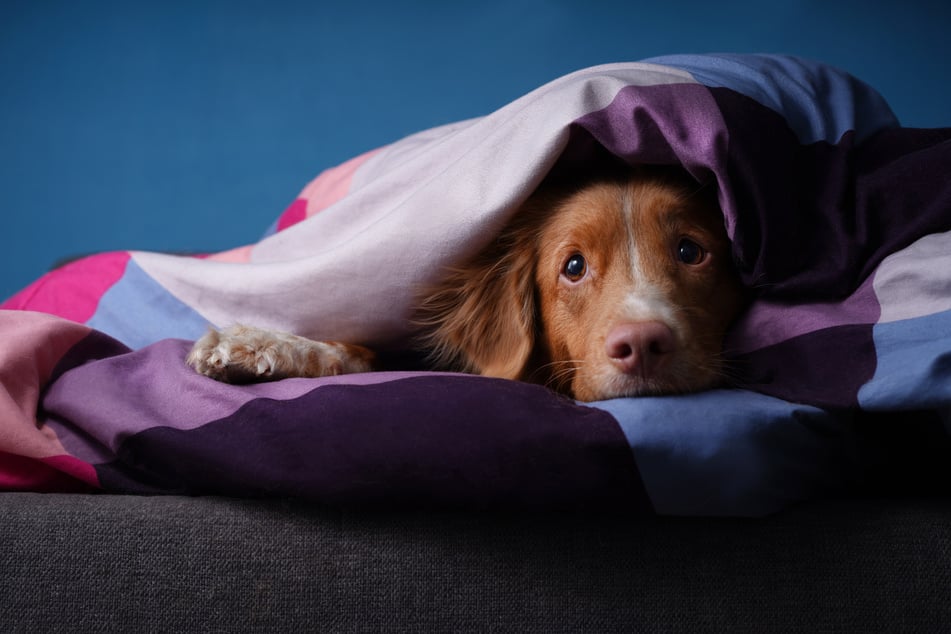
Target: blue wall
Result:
[190, 125]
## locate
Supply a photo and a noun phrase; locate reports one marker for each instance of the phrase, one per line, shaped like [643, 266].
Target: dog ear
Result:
[481, 317]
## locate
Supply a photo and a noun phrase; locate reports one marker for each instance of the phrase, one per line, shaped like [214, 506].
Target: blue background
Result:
[179, 125]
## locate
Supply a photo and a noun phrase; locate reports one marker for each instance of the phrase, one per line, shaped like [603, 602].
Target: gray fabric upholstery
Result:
[171, 564]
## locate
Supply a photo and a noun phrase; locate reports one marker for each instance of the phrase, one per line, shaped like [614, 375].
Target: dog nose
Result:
[639, 348]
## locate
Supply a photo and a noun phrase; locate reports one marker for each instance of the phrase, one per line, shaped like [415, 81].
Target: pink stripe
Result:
[33, 345]
[75, 468]
[63, 474]
[330, 186]
[74, 290]
[294, 214]
[333, 184]
[241, 255]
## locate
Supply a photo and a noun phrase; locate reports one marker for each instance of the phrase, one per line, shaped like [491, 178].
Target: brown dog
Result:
[620, 286]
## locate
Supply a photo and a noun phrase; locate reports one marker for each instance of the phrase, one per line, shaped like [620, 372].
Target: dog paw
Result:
[234, 355]
[241, 354]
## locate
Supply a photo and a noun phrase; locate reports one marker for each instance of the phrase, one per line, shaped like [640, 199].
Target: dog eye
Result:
[575, 267]
[689, 252]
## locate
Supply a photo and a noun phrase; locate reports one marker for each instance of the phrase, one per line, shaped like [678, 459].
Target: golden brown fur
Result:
[621, 285]
[511, 312]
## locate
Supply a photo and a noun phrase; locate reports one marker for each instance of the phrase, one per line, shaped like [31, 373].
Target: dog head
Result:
[622, 286]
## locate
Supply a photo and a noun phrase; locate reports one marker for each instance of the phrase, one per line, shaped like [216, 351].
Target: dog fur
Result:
[619, 285]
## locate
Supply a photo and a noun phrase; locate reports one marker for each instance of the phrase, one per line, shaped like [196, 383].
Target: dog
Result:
[619, 285]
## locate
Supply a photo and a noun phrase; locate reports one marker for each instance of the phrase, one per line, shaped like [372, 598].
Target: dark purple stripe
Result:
[825, 368]
[439, 441]
[809, 222]
[813, 221]
[94, 346]
[767, 323]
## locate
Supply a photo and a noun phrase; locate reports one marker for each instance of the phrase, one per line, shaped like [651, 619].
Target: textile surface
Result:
[840, 221]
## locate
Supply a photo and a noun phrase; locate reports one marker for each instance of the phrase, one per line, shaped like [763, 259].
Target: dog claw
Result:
[240, 354]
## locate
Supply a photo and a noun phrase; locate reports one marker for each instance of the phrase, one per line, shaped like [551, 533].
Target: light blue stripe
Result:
[272, 229]
[914, 365]
[731, 452]
[820, 103]
[138, 311]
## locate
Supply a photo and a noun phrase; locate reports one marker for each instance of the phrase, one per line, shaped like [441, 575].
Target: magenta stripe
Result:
[296, 212]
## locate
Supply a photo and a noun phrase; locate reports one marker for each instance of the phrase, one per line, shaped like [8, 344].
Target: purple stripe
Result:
[96, 345]
[826, 368]
[151, 387]
[430, 441]
[809, 222]
[676, 124]
[767, 323]
[814, 221]
[819, 101]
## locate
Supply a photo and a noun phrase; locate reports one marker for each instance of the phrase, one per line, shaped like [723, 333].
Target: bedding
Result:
[840, 221]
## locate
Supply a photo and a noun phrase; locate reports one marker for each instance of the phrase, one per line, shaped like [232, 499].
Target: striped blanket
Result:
[840, 221]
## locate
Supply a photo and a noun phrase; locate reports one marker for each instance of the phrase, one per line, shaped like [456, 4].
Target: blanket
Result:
[840, 221]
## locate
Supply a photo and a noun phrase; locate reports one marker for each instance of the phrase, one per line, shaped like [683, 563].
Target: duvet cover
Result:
[840, 221]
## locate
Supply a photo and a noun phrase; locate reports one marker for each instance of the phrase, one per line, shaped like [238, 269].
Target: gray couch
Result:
[101, 563]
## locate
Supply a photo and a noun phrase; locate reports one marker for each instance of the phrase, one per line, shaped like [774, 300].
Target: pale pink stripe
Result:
[33, 343]
[332, 185]
[329, 187]
[241, 254]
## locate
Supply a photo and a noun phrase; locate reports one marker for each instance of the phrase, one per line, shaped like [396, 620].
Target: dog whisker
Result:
[558, 374]
[560, 282]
